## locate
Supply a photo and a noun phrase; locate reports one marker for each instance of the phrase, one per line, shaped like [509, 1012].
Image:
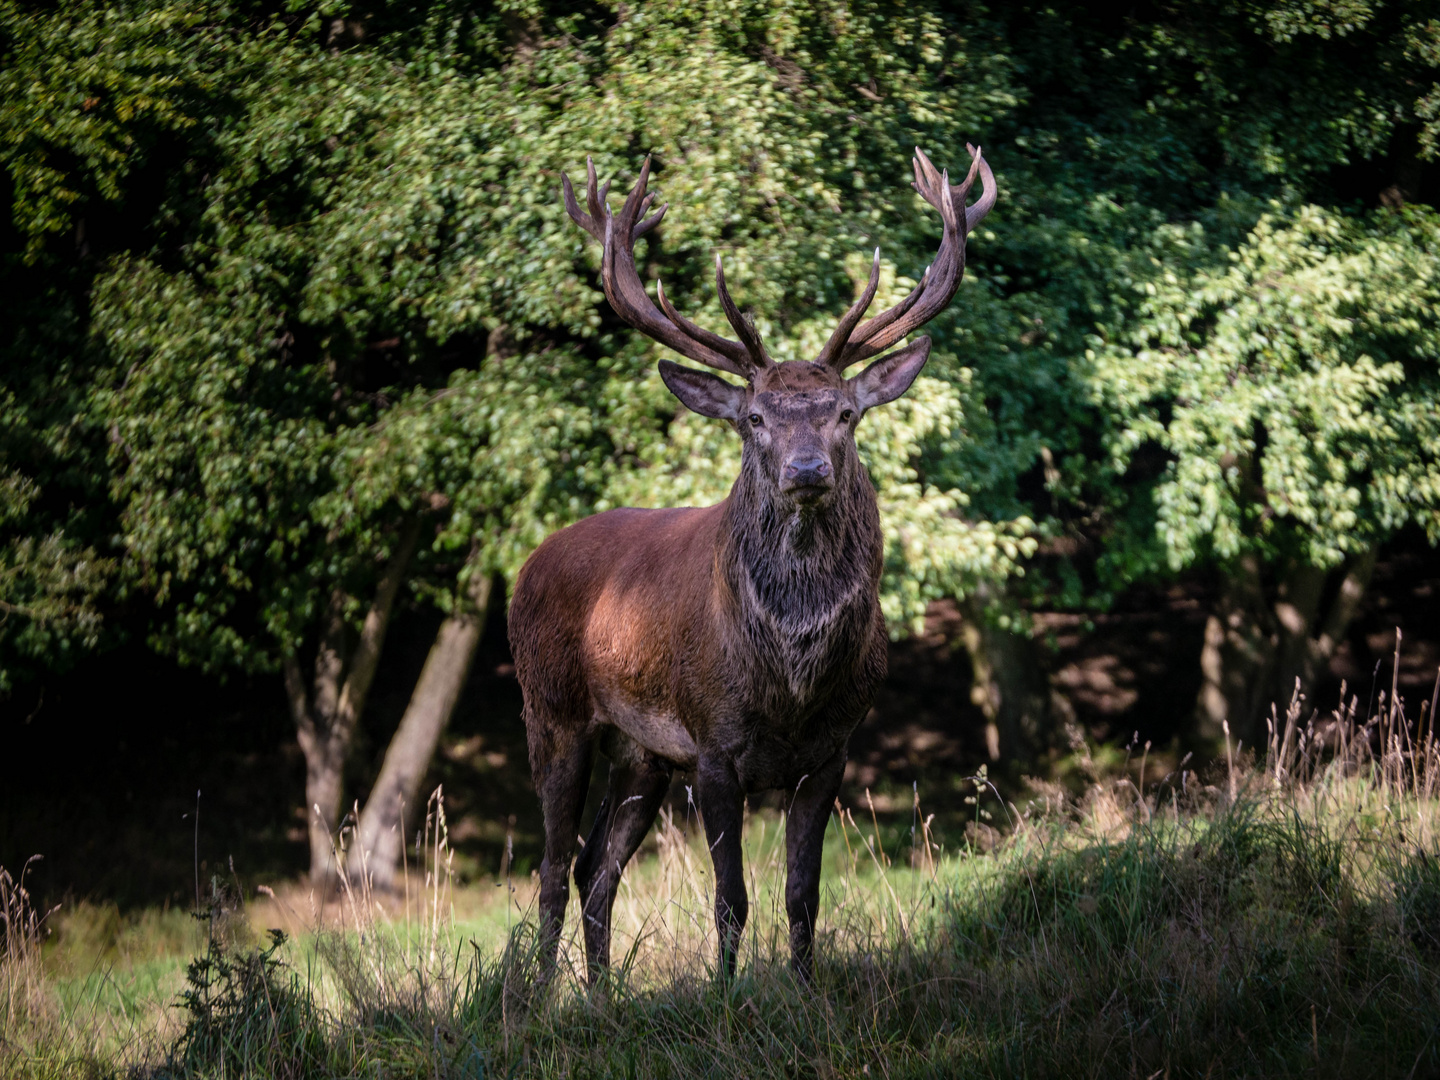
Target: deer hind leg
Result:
[638, 783]
[560, 762]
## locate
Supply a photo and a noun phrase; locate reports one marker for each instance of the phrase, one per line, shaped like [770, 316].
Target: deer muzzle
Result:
[807, 474]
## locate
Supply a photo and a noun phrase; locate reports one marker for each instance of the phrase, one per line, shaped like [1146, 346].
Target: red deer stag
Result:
[743, 641]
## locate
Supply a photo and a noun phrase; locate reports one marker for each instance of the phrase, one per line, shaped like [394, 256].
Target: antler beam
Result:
[626, 292]
[851, 343]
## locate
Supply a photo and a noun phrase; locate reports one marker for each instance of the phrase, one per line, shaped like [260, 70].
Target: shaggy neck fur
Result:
[804, 577]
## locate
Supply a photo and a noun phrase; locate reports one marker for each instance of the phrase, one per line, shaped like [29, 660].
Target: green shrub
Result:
[247, 1015]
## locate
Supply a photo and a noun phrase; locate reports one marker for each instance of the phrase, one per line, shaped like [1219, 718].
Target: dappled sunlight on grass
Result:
[1271, 920]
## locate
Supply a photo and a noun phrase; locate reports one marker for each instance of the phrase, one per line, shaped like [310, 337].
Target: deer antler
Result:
[626, 292]
[850, 344]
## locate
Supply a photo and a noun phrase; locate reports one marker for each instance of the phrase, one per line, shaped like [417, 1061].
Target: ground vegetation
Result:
[1270, 918]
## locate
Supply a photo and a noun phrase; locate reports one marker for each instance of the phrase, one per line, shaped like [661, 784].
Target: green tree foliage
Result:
[1295, 390]
[294, 360]
[278, 285]
[48, 583]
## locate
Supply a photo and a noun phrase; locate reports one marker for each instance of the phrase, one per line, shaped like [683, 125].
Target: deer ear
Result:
[706, 394]
[890, 376]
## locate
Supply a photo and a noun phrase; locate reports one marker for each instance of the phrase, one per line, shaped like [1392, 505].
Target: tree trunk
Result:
[1353, 583]
[1010, 685]
[1238, 656]
[1256, 648]
[1297, 607]
[325, 718]
[381, 834]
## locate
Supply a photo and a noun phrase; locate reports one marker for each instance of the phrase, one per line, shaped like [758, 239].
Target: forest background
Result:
[301, 358]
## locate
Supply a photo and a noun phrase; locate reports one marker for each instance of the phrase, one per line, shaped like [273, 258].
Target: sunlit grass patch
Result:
[1281, 920]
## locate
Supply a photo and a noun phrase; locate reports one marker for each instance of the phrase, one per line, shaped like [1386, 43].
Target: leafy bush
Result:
[247, 1015]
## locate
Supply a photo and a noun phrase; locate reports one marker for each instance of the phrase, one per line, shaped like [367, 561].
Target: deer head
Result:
[797, 418]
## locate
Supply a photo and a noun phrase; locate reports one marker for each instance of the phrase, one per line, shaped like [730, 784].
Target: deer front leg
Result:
[805, 823]
[722, 805]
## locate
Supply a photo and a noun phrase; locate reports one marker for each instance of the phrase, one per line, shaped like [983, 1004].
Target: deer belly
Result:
[656, 730]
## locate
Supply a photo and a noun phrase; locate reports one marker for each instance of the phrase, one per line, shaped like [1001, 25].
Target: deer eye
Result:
[847, 416]
[755, 420]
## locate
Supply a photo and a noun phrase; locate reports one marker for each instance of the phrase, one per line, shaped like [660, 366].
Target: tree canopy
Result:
[279, 283]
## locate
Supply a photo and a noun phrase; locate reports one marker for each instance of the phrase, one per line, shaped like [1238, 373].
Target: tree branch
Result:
[372, 634]
[295, 694]
[330, 660]
[447, 668]
[1347, 601]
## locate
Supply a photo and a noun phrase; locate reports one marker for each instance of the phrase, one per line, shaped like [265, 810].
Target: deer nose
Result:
[807, 470]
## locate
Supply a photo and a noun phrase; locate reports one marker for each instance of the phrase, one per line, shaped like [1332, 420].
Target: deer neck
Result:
[804, 579]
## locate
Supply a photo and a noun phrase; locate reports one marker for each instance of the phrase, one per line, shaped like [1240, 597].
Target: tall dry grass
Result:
[22, 981]
[1278, 917]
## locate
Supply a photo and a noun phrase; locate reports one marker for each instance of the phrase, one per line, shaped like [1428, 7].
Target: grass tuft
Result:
[1282, 920]
[247, 1013]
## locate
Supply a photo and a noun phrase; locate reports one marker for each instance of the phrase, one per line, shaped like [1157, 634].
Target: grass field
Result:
[1280, 920]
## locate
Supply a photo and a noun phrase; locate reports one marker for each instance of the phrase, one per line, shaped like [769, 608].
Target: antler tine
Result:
[626, 292]
[929, 182]
[650, 222]
[742, 324]
[588, 222]
[870, 327]
[841, 335]
[733, 349]
[942, 278]
[983, 205]
[636, 202]
[599, 200]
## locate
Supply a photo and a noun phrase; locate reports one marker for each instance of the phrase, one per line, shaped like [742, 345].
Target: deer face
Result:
[798, 420]
[802, 439]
